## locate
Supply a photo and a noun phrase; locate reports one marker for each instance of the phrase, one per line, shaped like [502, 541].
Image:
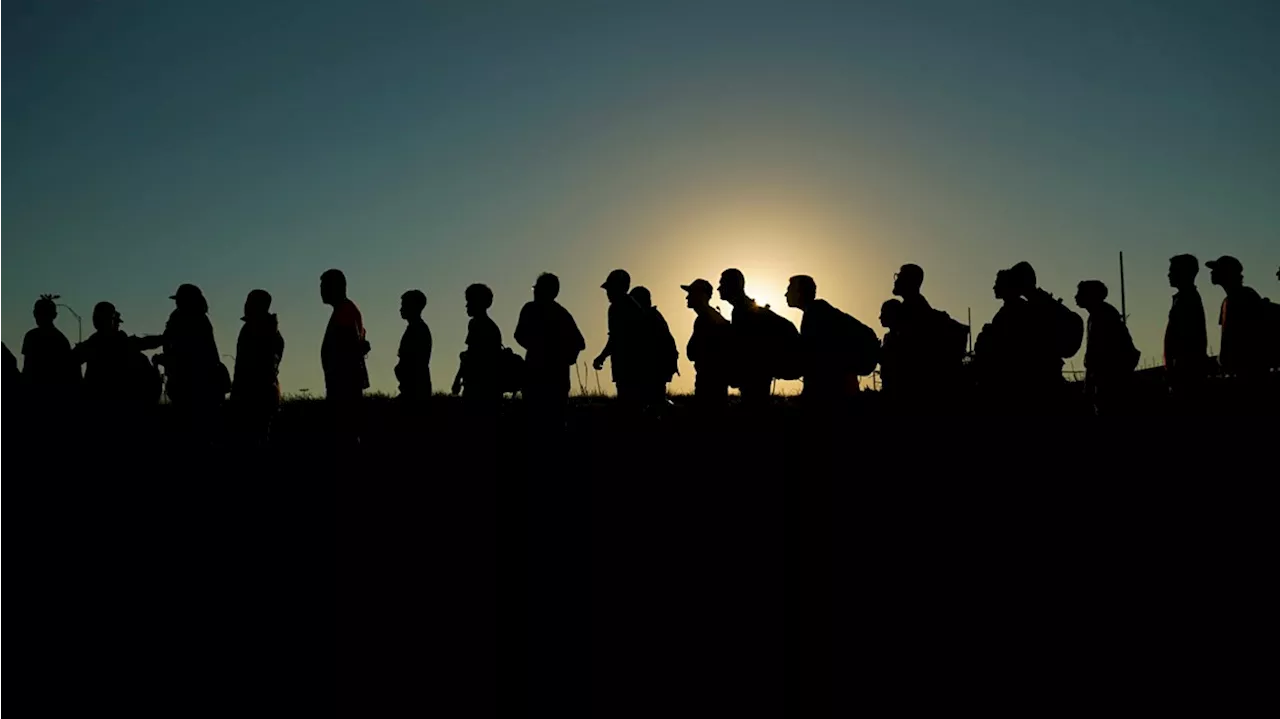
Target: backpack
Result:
[1066, 328]
[785, 357]
[859, 345]
[510, 371]
[1269, 317]
[950, 339]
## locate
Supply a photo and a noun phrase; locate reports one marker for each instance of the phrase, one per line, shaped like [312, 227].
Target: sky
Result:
[244, 144]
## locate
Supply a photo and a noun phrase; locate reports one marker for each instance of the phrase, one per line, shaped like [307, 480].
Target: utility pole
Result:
[1124, 310]
[969, 312]
[79, 322]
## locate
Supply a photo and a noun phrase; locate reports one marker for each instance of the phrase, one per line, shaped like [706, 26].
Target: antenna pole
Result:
[1124, 310]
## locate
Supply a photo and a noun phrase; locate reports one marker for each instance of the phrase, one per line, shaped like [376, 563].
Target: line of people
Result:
[923, 359]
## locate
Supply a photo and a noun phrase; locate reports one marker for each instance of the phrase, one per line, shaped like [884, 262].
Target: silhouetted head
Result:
[1005, 287]
[546, 288]
[1090, 294]
[412, 303]
[890, 311]
[1022, 278]
[189, 298]
[333, 287]
[105, 317]
[45, 311]
[617, 284]
[479, 300]
[641, 295]
[698, 294]
[1183, 270]
[907, 280]
[733, 286]
[257, 304]
[1226, 272]
[801, 290]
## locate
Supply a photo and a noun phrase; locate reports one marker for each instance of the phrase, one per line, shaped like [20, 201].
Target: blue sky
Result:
[423, 145]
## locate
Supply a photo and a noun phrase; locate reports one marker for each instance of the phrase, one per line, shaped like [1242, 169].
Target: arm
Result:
[457, 378]
[523, 337]
[604, 355]
[147, 342]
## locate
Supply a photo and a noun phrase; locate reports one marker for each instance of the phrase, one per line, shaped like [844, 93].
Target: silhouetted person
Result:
[753, 364]
[478, 379]
[1055, 333]
[907, 281]
[658, 349]
[552, 342]
[1003, 350]
[710, 347]
[930, 346]
[413, 370]
[625, 345]
[890, 317]
[830, 339]
[50, 372]
[196, 378]
[255, 388]
[1110, 357]
[119, 381]
[1185, 344]
[1240, 316]
[342, 356]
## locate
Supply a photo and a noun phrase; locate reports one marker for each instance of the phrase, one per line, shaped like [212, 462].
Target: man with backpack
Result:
[658, 349]
[1055, 334]
[709, 349]
[623, 348]
[1244, 318]
[766, 345]
[1110, 356]
[835, 347]
[552, 342]
[930, 346]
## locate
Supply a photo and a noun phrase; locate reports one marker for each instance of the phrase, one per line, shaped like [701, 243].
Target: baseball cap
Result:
[1226, 263]
[698, 287]
[618, 278]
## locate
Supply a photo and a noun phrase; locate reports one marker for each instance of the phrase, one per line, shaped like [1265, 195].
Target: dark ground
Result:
[756, 565]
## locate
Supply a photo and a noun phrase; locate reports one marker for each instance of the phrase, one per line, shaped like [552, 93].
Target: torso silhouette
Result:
[259, 350]
[1109, 349]
[751, 343]
[116, 372]
[552, 341]
[484, 348]
[191, 358]
[550, 337]
[47, 362]
[626, 328]
[343, 349]
[709, 347]
[823, 335]
[1240, 317]
[1185, 341]
[414, 368]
